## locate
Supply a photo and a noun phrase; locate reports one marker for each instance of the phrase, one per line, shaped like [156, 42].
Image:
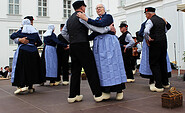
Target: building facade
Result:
[44, 12]
[57, 11]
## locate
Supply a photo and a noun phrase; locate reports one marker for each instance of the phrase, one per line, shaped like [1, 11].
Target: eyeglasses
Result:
[99, 7]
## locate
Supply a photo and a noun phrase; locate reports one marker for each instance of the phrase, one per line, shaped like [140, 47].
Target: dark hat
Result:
[77, 4]
[123, 25]
[6, 67]
[29, 17]
[62, 25]
[149, 9]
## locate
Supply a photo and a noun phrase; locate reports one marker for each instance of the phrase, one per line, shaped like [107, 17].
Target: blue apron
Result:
[51, 61]
[109, 60]
[145, 66]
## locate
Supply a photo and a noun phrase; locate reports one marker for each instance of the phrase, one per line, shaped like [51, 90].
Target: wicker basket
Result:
[84, 77]
[172, 99]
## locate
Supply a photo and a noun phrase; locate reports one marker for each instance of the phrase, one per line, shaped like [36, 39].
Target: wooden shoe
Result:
[21, 90]
[51, 84]
[130, 80]
[17, 91]
[167, 86]
[31, 90]
[153, 88]
[119, 96]
[57, 83]
[78, 98]
[104, 96]
[65, 83]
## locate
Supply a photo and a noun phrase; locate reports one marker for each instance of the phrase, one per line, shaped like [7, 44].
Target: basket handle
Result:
[174, 91]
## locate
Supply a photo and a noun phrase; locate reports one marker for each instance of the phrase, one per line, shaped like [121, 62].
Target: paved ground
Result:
[46, 99]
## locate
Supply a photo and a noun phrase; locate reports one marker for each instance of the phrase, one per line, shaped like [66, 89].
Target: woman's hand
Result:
[24, 40]
[82, 16]
[112, 28]
[165, 20]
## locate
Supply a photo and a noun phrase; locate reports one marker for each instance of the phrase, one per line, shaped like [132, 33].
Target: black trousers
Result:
[82, 56]
[157, 61]
[151, 81]
[127, 57]
[63, 65]
[133, 62]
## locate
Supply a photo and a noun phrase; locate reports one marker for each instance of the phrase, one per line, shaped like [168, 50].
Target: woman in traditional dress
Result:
[26, 68]
[49, 55]
[108, 56]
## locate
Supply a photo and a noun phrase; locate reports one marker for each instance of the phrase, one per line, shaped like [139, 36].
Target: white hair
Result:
[103, 7]
[151, 12]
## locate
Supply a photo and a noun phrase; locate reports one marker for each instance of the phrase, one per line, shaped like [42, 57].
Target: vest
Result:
[158, 30]
[122, 38]
[77, 31]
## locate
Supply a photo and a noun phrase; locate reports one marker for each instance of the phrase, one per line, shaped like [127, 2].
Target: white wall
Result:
[132, 13]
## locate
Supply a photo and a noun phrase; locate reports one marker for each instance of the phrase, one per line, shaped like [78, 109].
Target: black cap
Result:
[62, 25]
[149, 9]
[123, 25]
[6, 67]
[77, 4]
[29, 17]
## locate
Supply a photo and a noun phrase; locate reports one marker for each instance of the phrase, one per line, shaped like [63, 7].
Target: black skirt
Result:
[116, 88]
[28, 69]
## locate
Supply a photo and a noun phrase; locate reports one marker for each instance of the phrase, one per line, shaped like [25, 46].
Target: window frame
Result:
[41, 5]
[41, 36]
[122, 3]
[10, 62]
[67, 8]
[13, 10]
[90, 10]
[11, 42]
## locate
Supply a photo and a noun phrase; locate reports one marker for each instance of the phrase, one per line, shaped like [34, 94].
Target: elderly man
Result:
[155, 34]
[127, 42]
[107, 54]
[76, 31]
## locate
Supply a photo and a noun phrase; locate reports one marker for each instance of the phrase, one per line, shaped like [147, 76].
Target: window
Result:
[90, 7]
[13, 6]
[67, 8]
[11, 42]
[42, 8]
[122, 3]
[10, 62]
[41, 32]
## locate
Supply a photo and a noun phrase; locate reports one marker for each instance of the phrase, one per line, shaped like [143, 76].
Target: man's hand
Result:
[66, 47]
[82, 16]
[112, 28]
[24, 40]
[125, 50]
